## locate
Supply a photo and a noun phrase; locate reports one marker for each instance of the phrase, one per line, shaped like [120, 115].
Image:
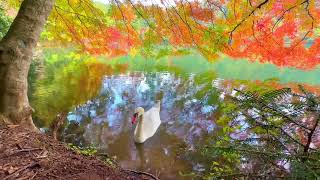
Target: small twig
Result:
[33, 176]
[43, 155]
[21, 169]
[24, 150]
[28, 150]
[18, 145]
[158, 173]
[141, 172]
[103, 154]
[53, 175]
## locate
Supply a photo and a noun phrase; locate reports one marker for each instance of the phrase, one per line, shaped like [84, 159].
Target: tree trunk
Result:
[15, 58]
[57, 124]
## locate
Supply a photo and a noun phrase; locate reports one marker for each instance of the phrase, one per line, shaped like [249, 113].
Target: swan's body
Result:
[148, 123]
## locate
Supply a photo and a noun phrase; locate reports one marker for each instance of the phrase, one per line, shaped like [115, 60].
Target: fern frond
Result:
[277, 94]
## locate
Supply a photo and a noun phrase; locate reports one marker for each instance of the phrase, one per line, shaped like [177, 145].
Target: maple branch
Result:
[307, 2]
[219, 7]
[244, 19]
[78, 15]
[123, 17]
[211, 15]
[312, 23]
[70, 29]
[93, 9]
[82, 18]
[148, 23]
[169, 26]
[194, 19]
[307, 9]
[75, 13]
[249, 1]
[200, 26]
[259, 42]
[282, 16]
[173, 23]
[142, 16]
[189, 29]
[186, 23]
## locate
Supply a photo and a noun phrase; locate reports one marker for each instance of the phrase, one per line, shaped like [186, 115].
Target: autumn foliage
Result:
[285, 33]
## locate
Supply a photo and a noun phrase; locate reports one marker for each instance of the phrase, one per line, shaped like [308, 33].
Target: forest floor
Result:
[28, 155]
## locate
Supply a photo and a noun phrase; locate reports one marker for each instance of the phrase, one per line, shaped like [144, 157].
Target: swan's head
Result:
[139, 111]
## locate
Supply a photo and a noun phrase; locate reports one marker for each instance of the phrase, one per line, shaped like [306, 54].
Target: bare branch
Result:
[310, 135]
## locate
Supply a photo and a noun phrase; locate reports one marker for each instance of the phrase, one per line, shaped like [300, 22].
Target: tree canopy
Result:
[285, 33]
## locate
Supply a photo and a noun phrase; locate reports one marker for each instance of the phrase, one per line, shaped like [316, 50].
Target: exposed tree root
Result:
[142, 173]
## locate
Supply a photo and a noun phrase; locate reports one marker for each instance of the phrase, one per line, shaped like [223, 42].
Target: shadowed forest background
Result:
[238, 80]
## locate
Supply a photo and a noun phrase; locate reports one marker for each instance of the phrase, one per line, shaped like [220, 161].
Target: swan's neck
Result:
[139, 126]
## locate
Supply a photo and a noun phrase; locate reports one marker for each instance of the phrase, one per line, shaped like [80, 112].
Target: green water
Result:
[192, 89]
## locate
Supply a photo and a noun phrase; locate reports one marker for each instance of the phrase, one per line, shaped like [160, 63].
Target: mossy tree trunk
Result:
[16, 50]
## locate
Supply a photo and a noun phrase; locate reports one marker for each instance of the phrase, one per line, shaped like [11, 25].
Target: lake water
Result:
[191, 91]
[189, 108]
[186, 120]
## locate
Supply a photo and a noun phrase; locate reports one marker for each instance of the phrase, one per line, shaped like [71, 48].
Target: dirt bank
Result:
[28, 155]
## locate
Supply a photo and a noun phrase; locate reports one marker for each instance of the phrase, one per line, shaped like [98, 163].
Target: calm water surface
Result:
[188, 110]
[189, 87]
[104, 122]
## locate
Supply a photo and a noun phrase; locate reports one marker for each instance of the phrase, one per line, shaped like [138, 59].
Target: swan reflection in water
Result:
[140, 150]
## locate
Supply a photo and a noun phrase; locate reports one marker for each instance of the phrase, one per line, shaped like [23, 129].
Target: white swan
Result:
[148, 122]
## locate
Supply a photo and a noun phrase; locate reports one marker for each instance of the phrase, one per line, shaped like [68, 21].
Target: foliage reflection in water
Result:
[186, 118]
[194, 98]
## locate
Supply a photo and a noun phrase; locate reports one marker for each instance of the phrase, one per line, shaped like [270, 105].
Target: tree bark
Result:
[15, 58]
[57, 124]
